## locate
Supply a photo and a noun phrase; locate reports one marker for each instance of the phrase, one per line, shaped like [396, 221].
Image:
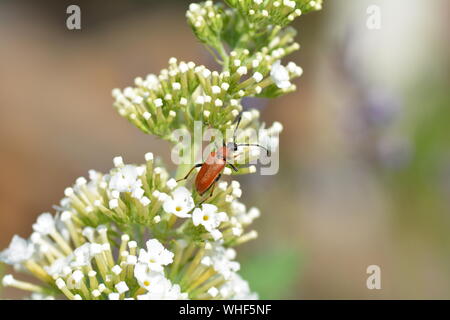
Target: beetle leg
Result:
[190, 171]
[233, 167]
[213, 186]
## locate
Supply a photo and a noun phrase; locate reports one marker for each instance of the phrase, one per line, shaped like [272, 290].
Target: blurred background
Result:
[365, 155]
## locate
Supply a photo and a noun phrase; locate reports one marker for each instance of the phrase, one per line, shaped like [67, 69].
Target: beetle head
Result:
[232, 146]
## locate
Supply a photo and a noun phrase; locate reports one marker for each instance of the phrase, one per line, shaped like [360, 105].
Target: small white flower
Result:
[19, 250]
[40, 296]
[8, 280]
[60, 283]
[116, 269]
[216, 234]
[118, 161]
[121, 287]
[158, 102]
[114, 296]
[45, 224]
[138, 193]
[225, 86]
[180, 204]
[163, 197]
[242, 70]
[148, 156]
[289, 3]
[96, 293]
[200, 100]
[113, 203]
[115, 194]
[221, 260]
[215, 89]
[208, 217]
[176, 86]
[183, 101]
[237, 192]
[82, 255]
[145, 201]
[280, 75]
[195, 7]
[254, 213]
[213, 292]
[56, 269]
[156, 256]
[206, 73]
[183, 67]
[125, 179]
[237, 288]
[164, 290]
[147, 278]
[129, 92]
[95, 249]
[88, 233]
[258, 76]
[81, 181]
[77, 276]
[294, 69]
[171, 183]
[101, 287]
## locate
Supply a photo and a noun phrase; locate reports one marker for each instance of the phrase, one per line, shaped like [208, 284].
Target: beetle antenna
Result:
[254, 145]
[237, 126]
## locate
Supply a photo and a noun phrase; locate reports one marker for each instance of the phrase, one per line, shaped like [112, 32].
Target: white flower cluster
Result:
[274, 12]
[147, 195]
[207, 21]
[85, 251]
[185, 92]
[180, 95]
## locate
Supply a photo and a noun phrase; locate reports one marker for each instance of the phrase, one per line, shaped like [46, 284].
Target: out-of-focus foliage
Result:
[422, 187]
[274, 272]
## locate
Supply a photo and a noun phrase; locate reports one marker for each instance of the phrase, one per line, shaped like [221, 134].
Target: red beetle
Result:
[211, 169]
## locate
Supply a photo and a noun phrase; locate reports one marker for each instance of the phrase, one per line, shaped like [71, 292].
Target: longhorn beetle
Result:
[211, 170]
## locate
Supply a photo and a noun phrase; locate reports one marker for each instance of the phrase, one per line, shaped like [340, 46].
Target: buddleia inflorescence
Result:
[137, 233]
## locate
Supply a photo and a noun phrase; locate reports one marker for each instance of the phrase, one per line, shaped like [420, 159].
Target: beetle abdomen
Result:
[208, 174]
